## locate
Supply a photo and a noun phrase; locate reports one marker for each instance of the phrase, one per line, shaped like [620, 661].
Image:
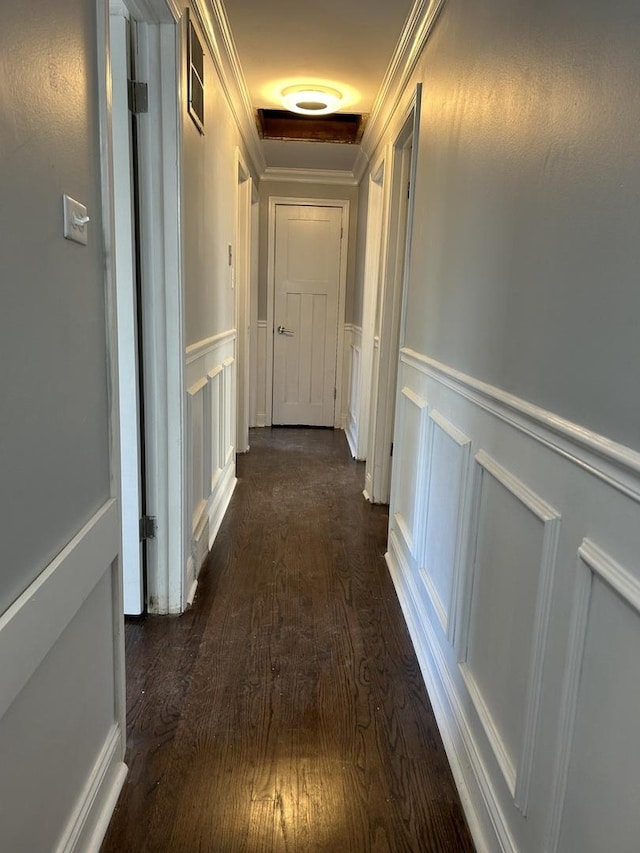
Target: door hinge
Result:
[335, 392]
[148, 527]
[138, 97]
[341, 232]
[391, 451]
[409, 189]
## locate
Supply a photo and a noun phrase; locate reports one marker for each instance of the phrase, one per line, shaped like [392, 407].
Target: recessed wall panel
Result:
[448, 458]
[512, 569]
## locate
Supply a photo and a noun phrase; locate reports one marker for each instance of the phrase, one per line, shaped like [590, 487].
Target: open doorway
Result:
[145, 146]
[394, 270]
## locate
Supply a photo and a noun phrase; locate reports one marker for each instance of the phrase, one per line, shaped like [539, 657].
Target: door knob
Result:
[283, 331]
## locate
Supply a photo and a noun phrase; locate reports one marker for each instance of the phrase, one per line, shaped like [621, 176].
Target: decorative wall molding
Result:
[413, 39]
[413, 539]
[517, 776]
[201, 348]
[328, 177]
[89, 821]
[210, 432]
[592, 562]
[32, 625]
[487, 822]
[215, 25]
[519, 733]
[446, 611]
[353, 341]
[617, 465]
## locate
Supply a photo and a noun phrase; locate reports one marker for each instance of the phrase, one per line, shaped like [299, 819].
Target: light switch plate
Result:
[75, 220]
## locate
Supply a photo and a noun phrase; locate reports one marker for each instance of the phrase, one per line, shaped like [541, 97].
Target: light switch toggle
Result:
[75, 220]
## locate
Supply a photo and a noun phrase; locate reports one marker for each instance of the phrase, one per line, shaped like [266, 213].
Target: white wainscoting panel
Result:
[198, 455]
[531, 658]
[516, 535]
[211, 404]
[409, 474]
[353, 354]
[59, 684]
[444, 518]
[598, 773]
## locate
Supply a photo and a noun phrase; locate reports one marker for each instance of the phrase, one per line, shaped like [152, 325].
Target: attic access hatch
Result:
[337, 127]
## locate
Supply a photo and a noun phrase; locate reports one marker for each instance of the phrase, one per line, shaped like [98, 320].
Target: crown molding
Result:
[215, 25]
[413, 38]
[310, 176]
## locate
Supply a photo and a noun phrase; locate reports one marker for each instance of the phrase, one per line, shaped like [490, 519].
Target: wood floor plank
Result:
[286, 710]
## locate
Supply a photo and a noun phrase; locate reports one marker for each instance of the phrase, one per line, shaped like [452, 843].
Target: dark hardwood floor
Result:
[285, 711]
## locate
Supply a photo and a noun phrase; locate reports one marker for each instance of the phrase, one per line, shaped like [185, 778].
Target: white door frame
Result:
[242, 282]
[253, 306]
[274, 201]
[394, 271]
[373, 264]
[160, 141]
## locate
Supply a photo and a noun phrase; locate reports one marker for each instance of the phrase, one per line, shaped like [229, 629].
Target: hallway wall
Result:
[61, 701]
[209, 173]
[513, 518]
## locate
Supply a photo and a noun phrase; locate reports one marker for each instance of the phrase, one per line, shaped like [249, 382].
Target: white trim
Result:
[592, 561]
[201, 348]
[108, 234]
[241, 280]
[615, 464]
[413, 39]
[414, 540]
[151, 11]
[492, 733]
[476, 792]
[35, 621]
[215, 27]
[328, 177]
[374, 261]
[394, 270]
[518, 777]
[448, 615]
[345, 205]
[160, 142]
[89, 821]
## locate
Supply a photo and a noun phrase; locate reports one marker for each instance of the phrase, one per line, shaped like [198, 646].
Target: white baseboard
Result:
[352, 437]
[219, 501]
[486, 822]
[88, 824]
[261, 419]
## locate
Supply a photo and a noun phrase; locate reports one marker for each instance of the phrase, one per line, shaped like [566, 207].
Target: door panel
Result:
[307, 279]
[127, 258]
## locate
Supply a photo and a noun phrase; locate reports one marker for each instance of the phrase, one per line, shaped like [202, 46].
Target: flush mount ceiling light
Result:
[311, 100]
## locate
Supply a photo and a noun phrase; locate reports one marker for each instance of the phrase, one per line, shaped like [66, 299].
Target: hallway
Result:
[285, 710]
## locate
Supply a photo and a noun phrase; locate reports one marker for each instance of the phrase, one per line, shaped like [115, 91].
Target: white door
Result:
[308, 244]
[131, 456]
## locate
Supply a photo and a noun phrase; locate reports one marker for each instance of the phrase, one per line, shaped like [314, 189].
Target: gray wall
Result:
[299, 190]
[208, 211]
[54, 462]
[525, 250]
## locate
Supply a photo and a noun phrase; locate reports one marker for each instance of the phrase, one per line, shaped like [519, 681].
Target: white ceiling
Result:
[344, 43]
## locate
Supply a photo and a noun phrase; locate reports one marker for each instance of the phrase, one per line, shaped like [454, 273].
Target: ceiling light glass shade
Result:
[311, 100]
